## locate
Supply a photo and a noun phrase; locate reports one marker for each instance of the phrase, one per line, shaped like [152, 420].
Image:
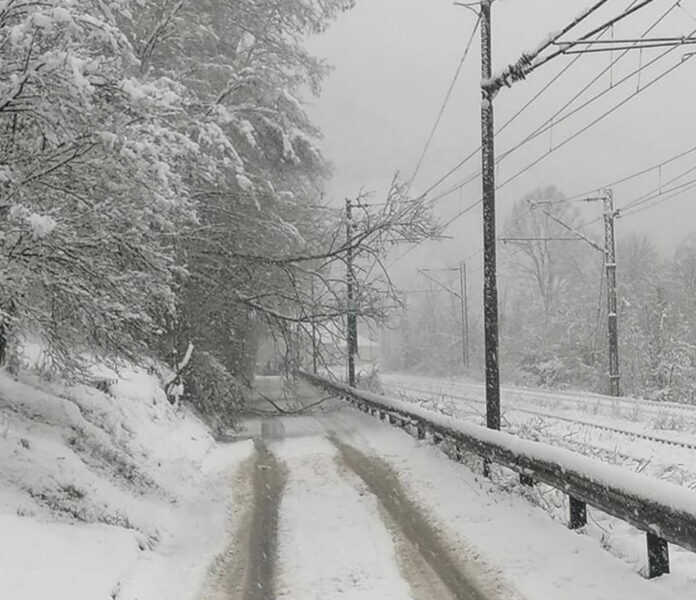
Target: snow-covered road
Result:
[347, 507]
[329, 521]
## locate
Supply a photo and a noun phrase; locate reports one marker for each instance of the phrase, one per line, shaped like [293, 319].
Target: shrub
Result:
[213, 391]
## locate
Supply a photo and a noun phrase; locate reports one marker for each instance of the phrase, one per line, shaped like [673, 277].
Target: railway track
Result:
[573, 397]
[544, 415]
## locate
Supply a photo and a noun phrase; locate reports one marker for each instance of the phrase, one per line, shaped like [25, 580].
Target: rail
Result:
[664, 511]
[545, 415]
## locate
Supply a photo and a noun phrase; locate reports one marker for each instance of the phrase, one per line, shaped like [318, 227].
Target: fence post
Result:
[658, 556]
[578, 513]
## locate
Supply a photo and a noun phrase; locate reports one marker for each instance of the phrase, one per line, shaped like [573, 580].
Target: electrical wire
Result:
[538, 63]
[681, 188]
[647, 196]
[567, 140]
[632, 175]
[554, 120]
[513, 118]
[596, 120]
[445, 102]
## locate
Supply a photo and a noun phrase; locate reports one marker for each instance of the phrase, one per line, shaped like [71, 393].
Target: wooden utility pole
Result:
[490, 286]
[352, 319]
[315, 345]
[464, 302]
[610, 264]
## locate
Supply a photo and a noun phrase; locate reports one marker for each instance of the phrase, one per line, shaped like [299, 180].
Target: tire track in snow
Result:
[246, 570]
[269, 481]
[412, 524]
[333, 543]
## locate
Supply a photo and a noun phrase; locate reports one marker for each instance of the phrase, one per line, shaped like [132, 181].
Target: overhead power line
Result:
[540, 62]
[680, 187]
[633, 6]
[445, 102]
[509, 121]
[634, 175]
[597, 120]
[558, 117]
[658, 190]
[686, 188]
[554, 120]
[645, 45]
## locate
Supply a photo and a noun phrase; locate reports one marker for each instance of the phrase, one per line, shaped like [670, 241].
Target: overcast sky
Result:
[393, 61]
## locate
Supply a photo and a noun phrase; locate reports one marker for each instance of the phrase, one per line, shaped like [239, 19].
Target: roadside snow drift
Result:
[114, 495]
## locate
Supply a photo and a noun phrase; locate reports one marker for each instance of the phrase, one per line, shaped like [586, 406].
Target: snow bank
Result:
[107, 494]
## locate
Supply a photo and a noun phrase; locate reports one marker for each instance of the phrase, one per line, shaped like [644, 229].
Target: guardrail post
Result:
[578, 513]
[658, 556]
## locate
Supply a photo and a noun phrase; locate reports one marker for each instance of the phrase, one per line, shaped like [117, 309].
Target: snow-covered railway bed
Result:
[665, 420]
[632, 432]
[662, 414]
[666, 459]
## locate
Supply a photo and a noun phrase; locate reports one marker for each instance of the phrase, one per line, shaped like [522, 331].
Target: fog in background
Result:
[393, 61]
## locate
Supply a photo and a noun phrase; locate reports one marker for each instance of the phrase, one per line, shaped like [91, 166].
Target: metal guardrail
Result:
[666, 512]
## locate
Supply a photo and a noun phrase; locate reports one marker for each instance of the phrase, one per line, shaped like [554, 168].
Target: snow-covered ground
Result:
[120, 496]
[500, 526]
[326, 514]
[570, 420]
[357, 491]
[587, 423]
[113, 495]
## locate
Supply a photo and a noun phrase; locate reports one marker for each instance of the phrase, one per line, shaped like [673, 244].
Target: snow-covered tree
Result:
[91, 193]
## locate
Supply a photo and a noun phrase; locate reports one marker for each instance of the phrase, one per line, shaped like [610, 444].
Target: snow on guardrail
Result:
[665, 511]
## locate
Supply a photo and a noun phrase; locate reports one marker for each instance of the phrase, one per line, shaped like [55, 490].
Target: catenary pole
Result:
[490, 286]
[610, 264]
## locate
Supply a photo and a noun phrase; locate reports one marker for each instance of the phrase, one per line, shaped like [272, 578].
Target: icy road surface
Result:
[345, 507]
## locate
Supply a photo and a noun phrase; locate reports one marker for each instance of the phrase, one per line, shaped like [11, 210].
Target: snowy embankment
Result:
[113, 495]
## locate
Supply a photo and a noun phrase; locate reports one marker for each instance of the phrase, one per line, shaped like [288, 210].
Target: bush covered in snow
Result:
[213, 391]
